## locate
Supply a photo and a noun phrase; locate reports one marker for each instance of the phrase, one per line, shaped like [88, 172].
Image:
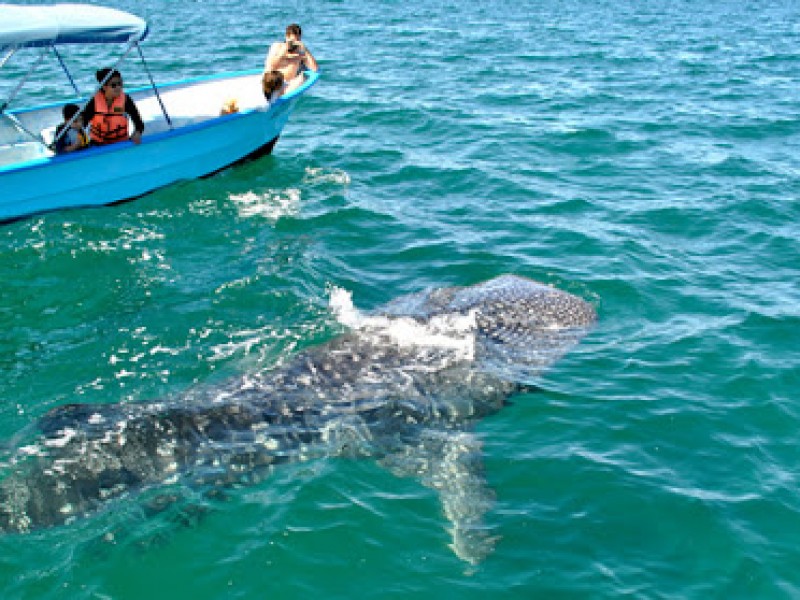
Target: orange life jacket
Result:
[109, 123]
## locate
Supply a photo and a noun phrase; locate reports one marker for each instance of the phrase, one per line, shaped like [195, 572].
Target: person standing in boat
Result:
[108, 112]
[290, 57]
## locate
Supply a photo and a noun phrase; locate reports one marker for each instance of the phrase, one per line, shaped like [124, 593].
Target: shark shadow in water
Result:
[403, 386]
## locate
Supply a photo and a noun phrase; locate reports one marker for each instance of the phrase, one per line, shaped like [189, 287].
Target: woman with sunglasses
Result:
[107, 113]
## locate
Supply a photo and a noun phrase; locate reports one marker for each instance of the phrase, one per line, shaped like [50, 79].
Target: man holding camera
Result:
[290, 58]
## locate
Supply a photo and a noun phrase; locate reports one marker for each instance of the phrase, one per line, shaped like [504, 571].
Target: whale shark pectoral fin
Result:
[451, 463]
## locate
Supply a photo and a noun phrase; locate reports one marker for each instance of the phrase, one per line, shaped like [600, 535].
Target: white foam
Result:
[272, 204]
[316, 175]
[341, 303]
[241, 342]
[453, 332]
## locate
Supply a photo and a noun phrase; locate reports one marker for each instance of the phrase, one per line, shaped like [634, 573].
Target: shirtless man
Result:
[290, 58]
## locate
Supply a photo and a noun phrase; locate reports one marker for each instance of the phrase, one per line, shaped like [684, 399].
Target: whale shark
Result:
[403, 384]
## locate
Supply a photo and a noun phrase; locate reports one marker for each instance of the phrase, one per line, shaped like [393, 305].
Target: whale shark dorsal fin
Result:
[451, 463]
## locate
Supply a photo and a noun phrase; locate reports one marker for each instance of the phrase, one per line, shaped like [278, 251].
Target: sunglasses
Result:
[115, 84]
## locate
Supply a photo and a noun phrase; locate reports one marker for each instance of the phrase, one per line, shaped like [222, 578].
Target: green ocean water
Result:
[642, 155]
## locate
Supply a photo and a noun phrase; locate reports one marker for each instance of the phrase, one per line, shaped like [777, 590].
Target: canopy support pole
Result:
[6, 58]
[22, 81]
[15, 122]
[114, 68]
[66, 70]
[155, 89]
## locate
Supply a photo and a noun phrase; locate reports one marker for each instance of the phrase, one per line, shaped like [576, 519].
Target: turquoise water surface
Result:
[641, 155]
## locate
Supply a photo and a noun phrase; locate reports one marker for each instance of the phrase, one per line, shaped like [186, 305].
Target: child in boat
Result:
[75, 137]
[272, 85]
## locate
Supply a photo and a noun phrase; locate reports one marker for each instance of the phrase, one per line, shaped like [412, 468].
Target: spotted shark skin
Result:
[409, 405]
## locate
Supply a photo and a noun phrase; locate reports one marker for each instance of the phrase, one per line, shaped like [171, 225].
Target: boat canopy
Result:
[37, 25]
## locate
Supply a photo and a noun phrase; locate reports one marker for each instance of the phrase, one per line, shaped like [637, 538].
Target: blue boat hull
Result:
[105, 175]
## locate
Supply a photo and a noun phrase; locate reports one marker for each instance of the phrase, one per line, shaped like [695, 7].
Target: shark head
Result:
[519, 326]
